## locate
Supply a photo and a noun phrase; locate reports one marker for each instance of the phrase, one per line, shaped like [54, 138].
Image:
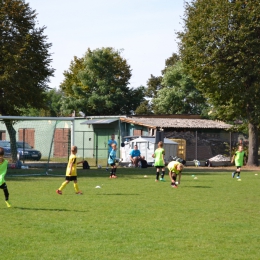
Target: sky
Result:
[145, 31]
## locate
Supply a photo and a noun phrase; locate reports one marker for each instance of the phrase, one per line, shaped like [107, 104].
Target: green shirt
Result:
[3, 170]
[239, 158]
[159, 157]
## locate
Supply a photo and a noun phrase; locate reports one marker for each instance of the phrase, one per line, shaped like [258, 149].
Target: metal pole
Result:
[230, 145]
[23, 144]
[196, 146]
[72, 141]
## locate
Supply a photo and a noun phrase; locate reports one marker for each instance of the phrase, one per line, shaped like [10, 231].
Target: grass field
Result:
[132, 217]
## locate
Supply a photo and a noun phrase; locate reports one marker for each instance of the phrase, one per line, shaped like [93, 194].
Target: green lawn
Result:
[132, 217]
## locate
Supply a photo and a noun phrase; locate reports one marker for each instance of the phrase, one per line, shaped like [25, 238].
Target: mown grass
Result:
[132, 217]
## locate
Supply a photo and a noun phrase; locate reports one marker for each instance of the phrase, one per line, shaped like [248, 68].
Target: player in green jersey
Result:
[240, 159]
[3, 170]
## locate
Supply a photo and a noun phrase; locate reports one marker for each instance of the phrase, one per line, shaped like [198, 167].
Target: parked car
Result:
[24, 151]
[6, 146]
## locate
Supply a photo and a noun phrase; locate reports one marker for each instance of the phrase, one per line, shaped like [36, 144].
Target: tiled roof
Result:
[176, 122]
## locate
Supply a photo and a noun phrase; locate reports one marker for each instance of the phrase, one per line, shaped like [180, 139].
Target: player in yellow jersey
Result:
[71, 172]
[175, 168]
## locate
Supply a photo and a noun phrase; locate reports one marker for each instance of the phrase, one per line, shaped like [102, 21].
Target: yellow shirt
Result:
[73, 161]
[172, 166]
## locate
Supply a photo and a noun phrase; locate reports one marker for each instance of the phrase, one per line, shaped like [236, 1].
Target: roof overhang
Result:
[132, 121]
[99, 122]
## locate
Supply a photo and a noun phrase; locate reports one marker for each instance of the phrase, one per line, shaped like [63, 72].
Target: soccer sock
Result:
[238, 173]
[6, 193]
[76, 187]
[114, 170]
[111, 172]
[162, 174]
[63, 185]
[157, 175]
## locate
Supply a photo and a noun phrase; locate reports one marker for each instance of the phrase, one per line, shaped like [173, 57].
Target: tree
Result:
[98, 84]
[52, 105]
[24, 62]
[153, 86]
[144, 108]
[71, 76]
[220, 48]
[171, 61]
[178, 95]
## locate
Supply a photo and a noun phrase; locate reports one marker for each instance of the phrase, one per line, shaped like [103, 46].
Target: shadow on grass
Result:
[205, 187]
[117, 194]
[23, 208]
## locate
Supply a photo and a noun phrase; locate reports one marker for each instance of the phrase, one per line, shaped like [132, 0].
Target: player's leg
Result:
[76, 186]
[111, 170]
[173, 184]
[238, 171]
[157, 173]
[63, 185]
[6, 193]
[162, 174]
[114, 172]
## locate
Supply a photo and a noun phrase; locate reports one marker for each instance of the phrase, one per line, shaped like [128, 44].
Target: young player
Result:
[71, 172]
[112, 161]
[175, 168]
[159, 161]
[3, 170]
[240, 159]
[110, 142]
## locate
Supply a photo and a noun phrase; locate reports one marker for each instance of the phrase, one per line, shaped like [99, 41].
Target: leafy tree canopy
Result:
[178, 95]
[52, 105]
[24, 58]
[98, 83]
[144, 108]
[220, 49]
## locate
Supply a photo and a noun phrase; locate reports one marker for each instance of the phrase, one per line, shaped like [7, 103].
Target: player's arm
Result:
[233, 157]
[80, 162]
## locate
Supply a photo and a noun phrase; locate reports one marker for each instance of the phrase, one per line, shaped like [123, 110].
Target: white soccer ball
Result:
[130, 165]
[99, 166]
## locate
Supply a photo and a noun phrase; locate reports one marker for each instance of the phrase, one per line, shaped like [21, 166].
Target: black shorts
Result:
[159, 167]
[3, 186]
[71, 178]
[112, 164]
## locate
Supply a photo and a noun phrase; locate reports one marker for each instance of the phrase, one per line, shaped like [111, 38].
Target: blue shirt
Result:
[109, 145]
[112, 157]
[135, 153]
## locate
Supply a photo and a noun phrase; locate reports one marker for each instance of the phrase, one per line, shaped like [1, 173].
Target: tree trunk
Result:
[253, 145]
[12, 135]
